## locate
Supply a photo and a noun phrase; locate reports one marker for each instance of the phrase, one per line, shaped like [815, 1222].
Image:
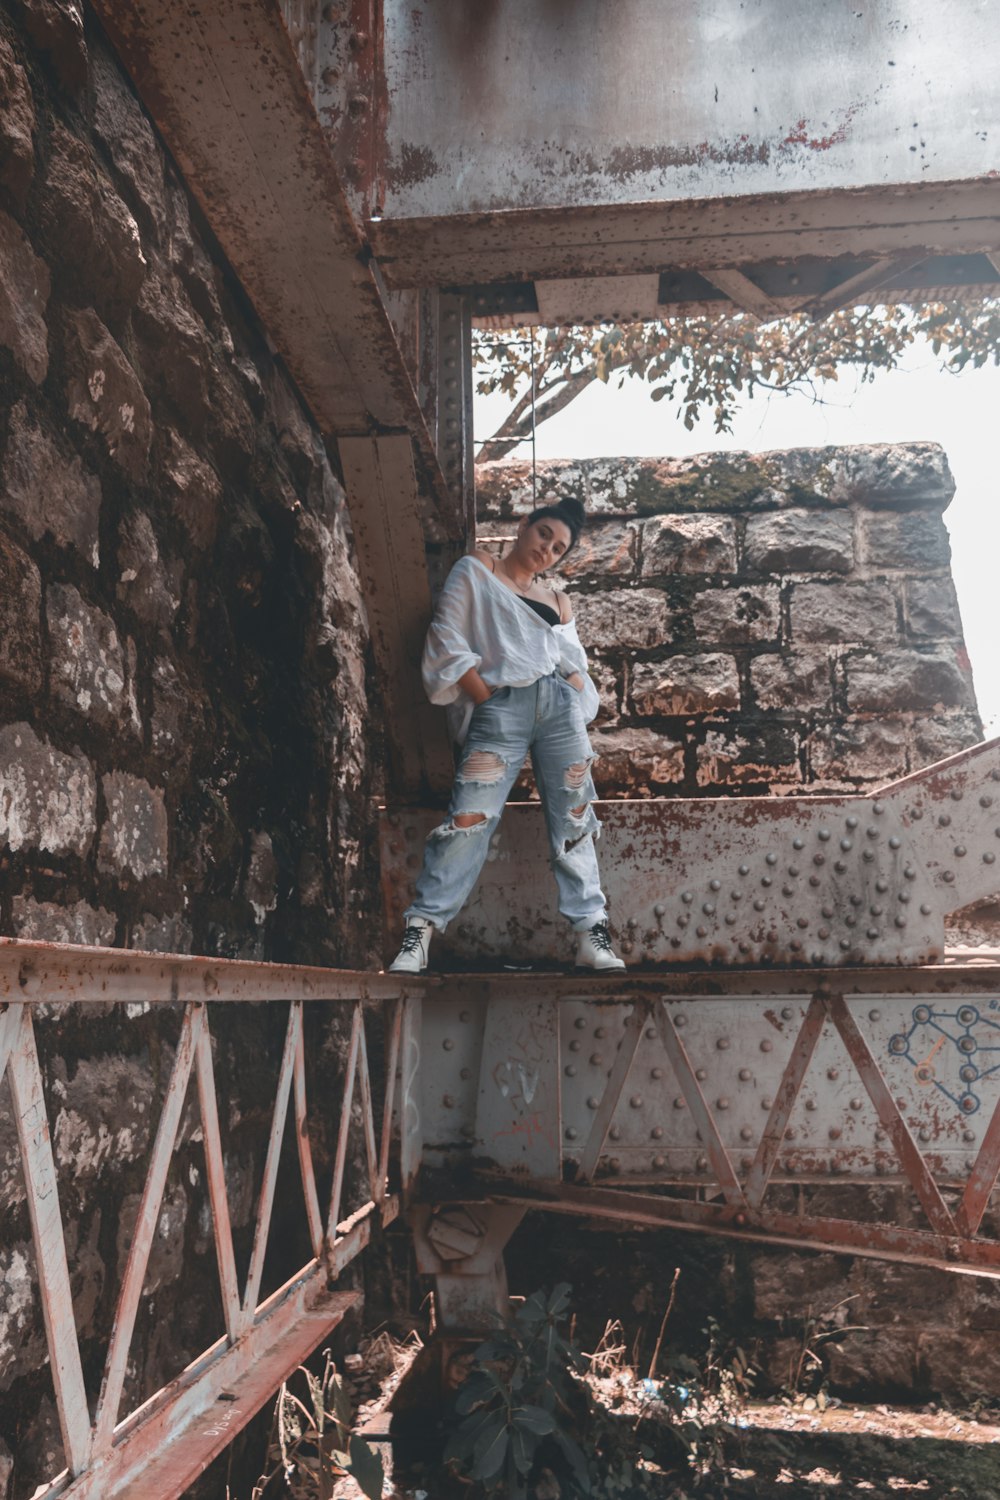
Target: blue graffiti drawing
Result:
[942, 1043]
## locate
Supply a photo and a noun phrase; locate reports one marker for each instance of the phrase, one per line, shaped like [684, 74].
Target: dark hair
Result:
[569, 511]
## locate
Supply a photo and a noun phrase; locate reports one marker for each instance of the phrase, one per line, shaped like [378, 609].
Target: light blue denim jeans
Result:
[547, 720]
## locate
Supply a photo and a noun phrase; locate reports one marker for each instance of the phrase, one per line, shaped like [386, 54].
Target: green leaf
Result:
[492, 1458]
[535, 1419]
[365, 1468]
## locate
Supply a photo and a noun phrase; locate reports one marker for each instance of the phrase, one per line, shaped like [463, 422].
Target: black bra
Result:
[544, 611]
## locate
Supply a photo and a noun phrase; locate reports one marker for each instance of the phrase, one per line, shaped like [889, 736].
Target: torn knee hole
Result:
[482, 766]
[576, 775]
[468, 820]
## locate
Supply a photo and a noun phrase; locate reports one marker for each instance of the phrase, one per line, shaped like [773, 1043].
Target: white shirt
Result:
[481, 623]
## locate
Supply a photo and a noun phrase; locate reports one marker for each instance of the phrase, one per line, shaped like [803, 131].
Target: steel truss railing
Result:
[160, 1448]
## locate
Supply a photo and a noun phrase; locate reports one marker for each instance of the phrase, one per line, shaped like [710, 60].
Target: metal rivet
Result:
[730, 919]
[656, 1073]
[948, 876]
[746, 1134]
[844, 944]
[687, 897]
[702, 1164]
[876, 910]
[787, 890]
[580, 1023]
[819, 859]
[793, 871]
[839, 866]
[872, 933]
[850, 920]
[855, 1104]
[771, 859]
[632, 922]
[744, 869]
[846, 844]
[767, 1103]
[448, 1044]
[448, 1101]
[874, 1015]
[909, 873]
[679, 1020]
[766, 1045]
[787, 1013]
[852, 821]
[824, 835]
[986, 801]
[701, 932]
[723, 1044]
[708, 907]
[989, 857]
[899, 921]
[824, 932]
[615, 1133]
[956, 794]
[659, 909]
[960, 851]
[636, 1101]
[878, 808]
[968, 1135]
[967, 1015]
[657, 1133]
[575, 1045]
[798, 843]
[596, 1059]
[600, 1032]
[592, 1103]
[715, 885]
[659, 1162]
[615, 1164]
[944, 821]
[758, 904]
[833, 1072]
[679, 1102]
[802, 922]
[745, 1074]
[766, 880]
[570, 1070]
[868, 857]
[790, 1166]
[700, 1074]
[650, 1033]
[810, 1104]
[871, 831]
[571, 1132]
[736, 895]
[683, 919]
[835, 1132]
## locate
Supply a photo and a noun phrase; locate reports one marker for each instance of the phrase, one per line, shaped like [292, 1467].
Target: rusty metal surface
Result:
[461, 1245]
[502, 108]
[792, 1231]
[176, 1433]
[734, 882]
[381, 484]
[517, 1105]
[530, 244]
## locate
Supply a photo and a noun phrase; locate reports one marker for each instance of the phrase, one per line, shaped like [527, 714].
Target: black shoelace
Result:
[412, 939]
[601, 937]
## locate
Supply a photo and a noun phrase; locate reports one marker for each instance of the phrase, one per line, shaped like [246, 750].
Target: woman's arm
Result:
[565, 615]
[470, 682]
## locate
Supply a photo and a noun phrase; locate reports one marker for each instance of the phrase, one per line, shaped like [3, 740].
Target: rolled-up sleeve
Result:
[447, 652]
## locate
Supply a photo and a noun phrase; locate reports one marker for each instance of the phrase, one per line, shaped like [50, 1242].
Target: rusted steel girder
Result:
[734, 882]
[669, 1102]
[160, 1447]
[222, 82]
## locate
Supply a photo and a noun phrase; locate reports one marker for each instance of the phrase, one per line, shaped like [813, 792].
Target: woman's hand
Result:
[470, 682]
[575, 681]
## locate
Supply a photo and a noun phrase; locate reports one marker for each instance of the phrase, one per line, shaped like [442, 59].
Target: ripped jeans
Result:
[545, 718]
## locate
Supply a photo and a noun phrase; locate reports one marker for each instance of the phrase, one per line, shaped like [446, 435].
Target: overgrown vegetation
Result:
[311, 1445]
[529, 1426]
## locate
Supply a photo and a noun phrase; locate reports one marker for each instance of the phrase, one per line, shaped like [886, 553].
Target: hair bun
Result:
[573, 509]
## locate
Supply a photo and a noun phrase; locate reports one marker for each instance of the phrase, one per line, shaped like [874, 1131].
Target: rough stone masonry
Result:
[184, 755]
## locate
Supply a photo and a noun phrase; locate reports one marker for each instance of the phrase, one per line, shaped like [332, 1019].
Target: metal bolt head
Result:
[723, 1044]
[715, 885]
[745, 1075]
[570, 1070]
[635, 1102]
[659, 1162]
[615, 1133]
[571, 1132]
[767, 1045]
[657, 1133]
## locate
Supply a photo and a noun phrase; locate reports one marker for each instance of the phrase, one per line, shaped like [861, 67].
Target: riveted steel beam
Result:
[731, 882]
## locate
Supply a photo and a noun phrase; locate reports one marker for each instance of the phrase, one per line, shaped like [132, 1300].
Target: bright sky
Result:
[916, 402]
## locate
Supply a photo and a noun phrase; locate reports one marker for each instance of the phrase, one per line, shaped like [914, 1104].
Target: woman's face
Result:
[542, 543]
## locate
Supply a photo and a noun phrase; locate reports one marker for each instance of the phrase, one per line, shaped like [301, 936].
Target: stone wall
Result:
[184, 752]
[778, 623]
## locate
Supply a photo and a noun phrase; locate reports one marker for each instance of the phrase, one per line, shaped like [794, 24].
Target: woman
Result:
[504, 654]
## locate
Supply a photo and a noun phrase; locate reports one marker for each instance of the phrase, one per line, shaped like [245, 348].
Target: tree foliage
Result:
[710, 363]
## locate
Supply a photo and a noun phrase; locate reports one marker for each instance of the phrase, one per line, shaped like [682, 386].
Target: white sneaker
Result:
[412, 956]
[594, 950]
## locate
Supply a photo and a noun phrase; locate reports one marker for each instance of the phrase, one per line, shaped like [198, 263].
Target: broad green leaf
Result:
[365, 1468]
[535, 1419]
